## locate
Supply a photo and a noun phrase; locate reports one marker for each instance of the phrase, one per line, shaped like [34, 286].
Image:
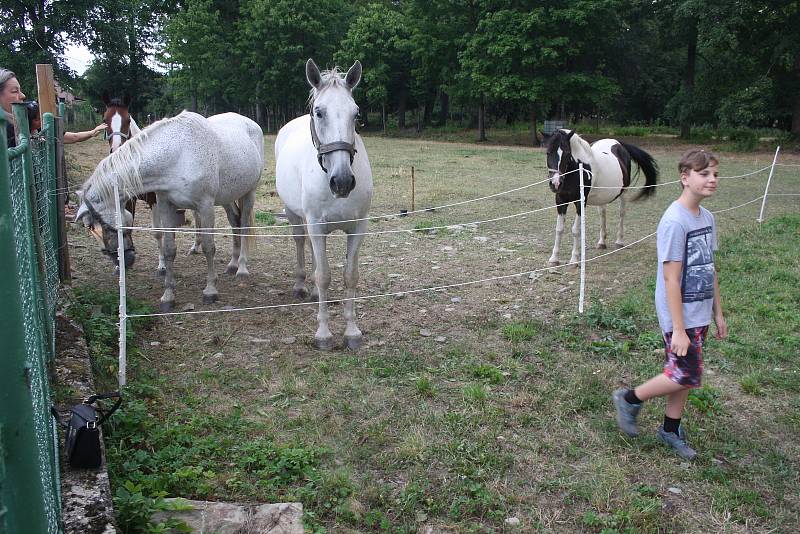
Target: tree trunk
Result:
[401, 111]
[796, 98]
[428, 113]
[534, 135]
[445, 98]
[482, 119]
[383, 117]
[688, 86]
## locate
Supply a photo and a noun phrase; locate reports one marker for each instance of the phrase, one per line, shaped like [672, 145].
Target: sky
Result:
[78, 58]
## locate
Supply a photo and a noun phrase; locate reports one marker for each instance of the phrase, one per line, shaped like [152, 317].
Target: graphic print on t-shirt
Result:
[698, 273]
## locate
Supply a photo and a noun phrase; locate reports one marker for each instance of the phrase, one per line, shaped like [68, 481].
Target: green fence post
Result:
[49, 127]
[28, 497]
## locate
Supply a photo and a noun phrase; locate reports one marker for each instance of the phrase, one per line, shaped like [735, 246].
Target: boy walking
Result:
[687, 297]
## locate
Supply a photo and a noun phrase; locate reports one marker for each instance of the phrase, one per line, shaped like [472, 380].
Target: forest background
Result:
[676, 64]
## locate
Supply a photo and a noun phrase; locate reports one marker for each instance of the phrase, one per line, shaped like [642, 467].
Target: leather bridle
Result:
[328, 147]
[106, 227]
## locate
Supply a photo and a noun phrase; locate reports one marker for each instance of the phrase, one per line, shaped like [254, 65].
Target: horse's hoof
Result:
[572, 267]
[231, 269]
[300, 294]
[210, 299]
[552, 263]
[242, 275]
[193, 250]
[324, 343]
[353, 343]
[161, 272]
[601, 246]
[619, 245]
[166, 306]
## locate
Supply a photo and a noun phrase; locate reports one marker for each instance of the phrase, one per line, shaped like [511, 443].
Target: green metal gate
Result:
[29, 473]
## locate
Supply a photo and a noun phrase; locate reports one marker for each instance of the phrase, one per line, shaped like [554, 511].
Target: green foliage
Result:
[705, 400]
[265, 217]
[518, 332]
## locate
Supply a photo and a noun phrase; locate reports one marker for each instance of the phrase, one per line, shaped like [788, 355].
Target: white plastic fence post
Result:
[583, 243]
[123, 310]
[766, 190]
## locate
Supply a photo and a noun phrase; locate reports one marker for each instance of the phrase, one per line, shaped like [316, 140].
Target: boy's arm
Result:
[672, 283]
[719, 319]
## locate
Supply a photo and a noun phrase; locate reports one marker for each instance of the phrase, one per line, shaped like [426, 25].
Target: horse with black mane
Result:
[607, 176]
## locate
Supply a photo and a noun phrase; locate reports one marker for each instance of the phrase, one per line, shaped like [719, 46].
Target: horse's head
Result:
[333, 123]
[117, 119]
[559, 156]
[99, 216]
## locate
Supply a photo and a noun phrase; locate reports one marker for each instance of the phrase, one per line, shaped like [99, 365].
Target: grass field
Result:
[474, 405]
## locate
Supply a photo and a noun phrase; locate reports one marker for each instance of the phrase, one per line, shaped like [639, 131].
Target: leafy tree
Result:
[379, 38]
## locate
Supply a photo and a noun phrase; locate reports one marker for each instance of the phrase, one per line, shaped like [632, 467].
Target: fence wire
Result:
[42, 207]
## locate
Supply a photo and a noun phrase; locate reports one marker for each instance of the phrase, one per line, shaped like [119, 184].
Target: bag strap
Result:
[57, 415]
[98, 396]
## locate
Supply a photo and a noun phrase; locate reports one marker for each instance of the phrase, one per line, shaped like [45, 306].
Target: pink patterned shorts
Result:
[686, 370]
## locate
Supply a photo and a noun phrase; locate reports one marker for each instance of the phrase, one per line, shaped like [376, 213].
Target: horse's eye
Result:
[318, 113]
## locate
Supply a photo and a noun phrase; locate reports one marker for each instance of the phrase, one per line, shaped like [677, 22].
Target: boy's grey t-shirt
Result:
[692, 240]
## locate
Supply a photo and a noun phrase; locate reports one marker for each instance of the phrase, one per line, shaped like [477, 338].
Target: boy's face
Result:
[702, 183]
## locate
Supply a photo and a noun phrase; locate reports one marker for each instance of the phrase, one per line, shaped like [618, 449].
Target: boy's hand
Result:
[680, 343]
[722, 327]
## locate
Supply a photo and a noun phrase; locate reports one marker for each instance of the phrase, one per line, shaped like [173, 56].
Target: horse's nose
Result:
[342, 184]
[555, 181]
[130, 258]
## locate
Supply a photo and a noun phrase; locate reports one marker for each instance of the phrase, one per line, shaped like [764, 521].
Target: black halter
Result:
[329, 147]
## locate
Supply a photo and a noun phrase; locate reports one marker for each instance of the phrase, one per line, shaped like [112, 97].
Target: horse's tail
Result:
[248, 227]
[648, 165]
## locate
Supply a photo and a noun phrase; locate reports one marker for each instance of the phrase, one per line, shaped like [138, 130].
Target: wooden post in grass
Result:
[413, 188]
[766, 190]
[47, 89]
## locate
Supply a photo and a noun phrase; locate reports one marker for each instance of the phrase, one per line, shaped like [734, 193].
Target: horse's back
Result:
[607, 177]
[240, 146]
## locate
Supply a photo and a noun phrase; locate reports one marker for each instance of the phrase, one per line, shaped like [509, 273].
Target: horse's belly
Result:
[600, 197]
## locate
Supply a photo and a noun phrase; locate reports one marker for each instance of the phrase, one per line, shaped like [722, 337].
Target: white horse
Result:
[607, 168]
[189, 162]
[324, 178]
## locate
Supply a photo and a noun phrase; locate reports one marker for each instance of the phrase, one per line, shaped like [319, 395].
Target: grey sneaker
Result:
[677, 442]
[626, 413]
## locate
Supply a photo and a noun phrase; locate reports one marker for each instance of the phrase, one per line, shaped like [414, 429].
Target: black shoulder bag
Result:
[82, 432]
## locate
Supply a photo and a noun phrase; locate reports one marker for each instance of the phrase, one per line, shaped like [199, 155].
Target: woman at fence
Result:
[10, 92]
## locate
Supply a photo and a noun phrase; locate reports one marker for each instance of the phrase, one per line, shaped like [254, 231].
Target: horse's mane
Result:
[330, 78]
[124, 163]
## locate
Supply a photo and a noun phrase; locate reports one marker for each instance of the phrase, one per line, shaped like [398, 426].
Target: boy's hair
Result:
[696, 159]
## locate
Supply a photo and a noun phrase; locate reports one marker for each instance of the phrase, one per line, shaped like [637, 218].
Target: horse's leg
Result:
[161, 270]
[352, 335]
[601, 244]
[233, 213]
[197, 246]
[322, 279]
[299, 232]
[562, 213]
[206, 218]
[166, 216]
[620, 242]
[246, 218]
[576, 240]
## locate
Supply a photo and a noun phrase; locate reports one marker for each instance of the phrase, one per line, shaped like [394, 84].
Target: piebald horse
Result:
[189, 162]
[324, 178]
[607, 174]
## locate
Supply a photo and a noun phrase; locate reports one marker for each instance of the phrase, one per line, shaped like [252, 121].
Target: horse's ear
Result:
[353, 75]
[106, 98]
[312, 74]
[126, 100]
